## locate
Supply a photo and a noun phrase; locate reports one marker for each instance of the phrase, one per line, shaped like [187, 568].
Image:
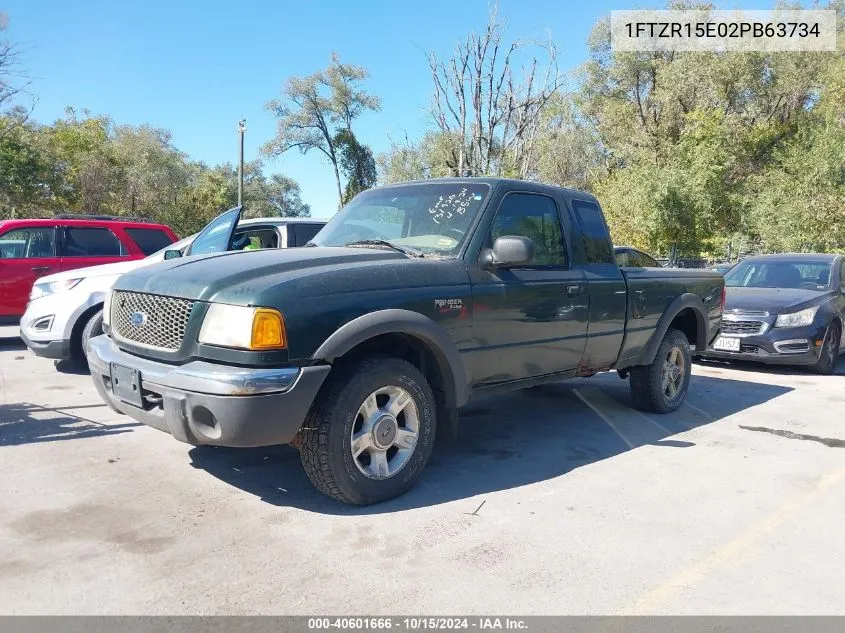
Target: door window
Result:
[535, 217]
[149, 240]
[302, 233]
[28, 243]
[593, 232]
[91, 242]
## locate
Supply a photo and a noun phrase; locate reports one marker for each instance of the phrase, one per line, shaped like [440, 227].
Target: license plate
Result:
[726, 344]
[126, 384]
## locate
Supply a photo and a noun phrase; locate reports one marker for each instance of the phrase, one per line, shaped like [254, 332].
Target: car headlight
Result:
[243, 327]
[52, 287]
[794, 319]
[107, 308]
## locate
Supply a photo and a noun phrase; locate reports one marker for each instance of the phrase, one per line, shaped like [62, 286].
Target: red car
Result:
[30, 249]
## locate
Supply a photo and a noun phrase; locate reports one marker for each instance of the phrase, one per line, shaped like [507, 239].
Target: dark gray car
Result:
[784, 309]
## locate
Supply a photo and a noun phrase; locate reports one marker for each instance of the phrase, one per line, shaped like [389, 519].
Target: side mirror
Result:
[509, 250]
[172, 254]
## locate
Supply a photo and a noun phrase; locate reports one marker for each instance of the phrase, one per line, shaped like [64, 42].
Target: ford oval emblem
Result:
[138, 319]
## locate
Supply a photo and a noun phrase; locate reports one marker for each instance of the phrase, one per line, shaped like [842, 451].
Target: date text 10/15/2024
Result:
[418, 623]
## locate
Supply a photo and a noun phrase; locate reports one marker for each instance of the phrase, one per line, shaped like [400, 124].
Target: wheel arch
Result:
[686, 313]
[409, 335]
[79, 325]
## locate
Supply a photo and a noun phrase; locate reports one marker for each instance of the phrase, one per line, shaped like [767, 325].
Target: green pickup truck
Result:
[412, 300]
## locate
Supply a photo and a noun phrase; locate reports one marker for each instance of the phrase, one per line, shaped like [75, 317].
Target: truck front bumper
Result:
[206, 403]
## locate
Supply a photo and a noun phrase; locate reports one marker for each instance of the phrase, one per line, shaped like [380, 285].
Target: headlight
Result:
[107, 308]
[794, 319]
[243, 328]
[52, 287]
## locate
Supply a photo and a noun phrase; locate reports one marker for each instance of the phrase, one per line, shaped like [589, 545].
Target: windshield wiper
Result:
[407, 250]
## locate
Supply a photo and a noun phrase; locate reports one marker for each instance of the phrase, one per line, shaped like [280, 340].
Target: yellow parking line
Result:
[731, 550]
[697, 409]
[606, 419]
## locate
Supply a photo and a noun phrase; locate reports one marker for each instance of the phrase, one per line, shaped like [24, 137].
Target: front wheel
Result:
[94, 327]
[662, 386]
[370, 431]
[829, 353]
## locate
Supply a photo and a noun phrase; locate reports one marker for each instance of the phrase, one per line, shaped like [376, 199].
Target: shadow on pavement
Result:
[11, 343]
[25, 423]
[72, 366]
[505, 442]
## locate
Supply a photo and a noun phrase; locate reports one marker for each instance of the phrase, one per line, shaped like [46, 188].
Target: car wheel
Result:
[370, 431]
[662, 386]
[829, 353]
[94, 327]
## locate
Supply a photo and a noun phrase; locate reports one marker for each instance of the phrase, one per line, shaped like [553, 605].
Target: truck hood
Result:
[772, 300]
[239, 277]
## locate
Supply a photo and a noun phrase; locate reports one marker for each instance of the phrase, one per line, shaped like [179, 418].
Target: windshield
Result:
[217, 234]
[432, 218]
[809, 275]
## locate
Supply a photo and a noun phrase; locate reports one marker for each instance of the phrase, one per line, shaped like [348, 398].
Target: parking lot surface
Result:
[556, 500]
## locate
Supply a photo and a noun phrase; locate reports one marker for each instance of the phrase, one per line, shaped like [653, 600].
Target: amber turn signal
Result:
[268, 330]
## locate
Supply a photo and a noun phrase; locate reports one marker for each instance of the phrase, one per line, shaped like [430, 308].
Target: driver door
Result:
[528, 320]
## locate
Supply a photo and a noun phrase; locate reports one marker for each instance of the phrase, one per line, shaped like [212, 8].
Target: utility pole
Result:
[241, 130]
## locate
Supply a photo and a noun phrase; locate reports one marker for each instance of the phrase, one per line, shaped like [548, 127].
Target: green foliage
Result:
[87, 164]
[356, 162]
[315, 112]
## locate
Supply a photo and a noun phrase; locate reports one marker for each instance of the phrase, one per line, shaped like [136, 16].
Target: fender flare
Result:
[396, 321]
[683, 302]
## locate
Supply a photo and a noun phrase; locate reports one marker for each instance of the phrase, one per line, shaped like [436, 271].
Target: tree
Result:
[14, 83]
[356, 162]
[314, 109]
[434, 156]
[152, 172]
[480, 103]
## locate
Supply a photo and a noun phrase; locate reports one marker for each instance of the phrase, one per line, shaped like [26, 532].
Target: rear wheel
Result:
[662, 386]
[829, 353]
[370, 431]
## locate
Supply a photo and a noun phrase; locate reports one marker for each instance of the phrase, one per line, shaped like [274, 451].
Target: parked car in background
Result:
[414, 298]
[722, 268]
[30, 249]
[784, 309]
[67, 308]
[630, 257]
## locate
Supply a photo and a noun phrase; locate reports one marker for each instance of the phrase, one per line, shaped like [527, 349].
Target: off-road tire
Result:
[94, 327]
[827, 365]
[647, 391]
[325, 437]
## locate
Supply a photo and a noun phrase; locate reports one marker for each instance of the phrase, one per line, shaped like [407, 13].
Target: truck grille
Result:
[743, 328]
[150, 320]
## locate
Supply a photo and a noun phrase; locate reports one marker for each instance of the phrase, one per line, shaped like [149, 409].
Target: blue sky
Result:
[197, 67]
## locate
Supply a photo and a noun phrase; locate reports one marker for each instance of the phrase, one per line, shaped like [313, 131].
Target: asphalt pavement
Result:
[555, 500]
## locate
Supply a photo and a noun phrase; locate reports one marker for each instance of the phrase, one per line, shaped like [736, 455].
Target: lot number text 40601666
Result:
[416, 623]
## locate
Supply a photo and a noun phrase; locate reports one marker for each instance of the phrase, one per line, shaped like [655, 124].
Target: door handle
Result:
[40, 269]
[573, 290]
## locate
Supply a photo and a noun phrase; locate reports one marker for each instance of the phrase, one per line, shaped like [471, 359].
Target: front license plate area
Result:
[726, 344]
[126, 384]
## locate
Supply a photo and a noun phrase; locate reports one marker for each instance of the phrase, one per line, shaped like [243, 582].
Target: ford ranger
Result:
[413, 299]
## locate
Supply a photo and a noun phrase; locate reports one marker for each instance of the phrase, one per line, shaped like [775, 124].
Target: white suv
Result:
[66, 309]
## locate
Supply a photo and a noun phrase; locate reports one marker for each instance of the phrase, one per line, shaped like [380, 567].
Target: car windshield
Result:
[431, 218]
[809, 274]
